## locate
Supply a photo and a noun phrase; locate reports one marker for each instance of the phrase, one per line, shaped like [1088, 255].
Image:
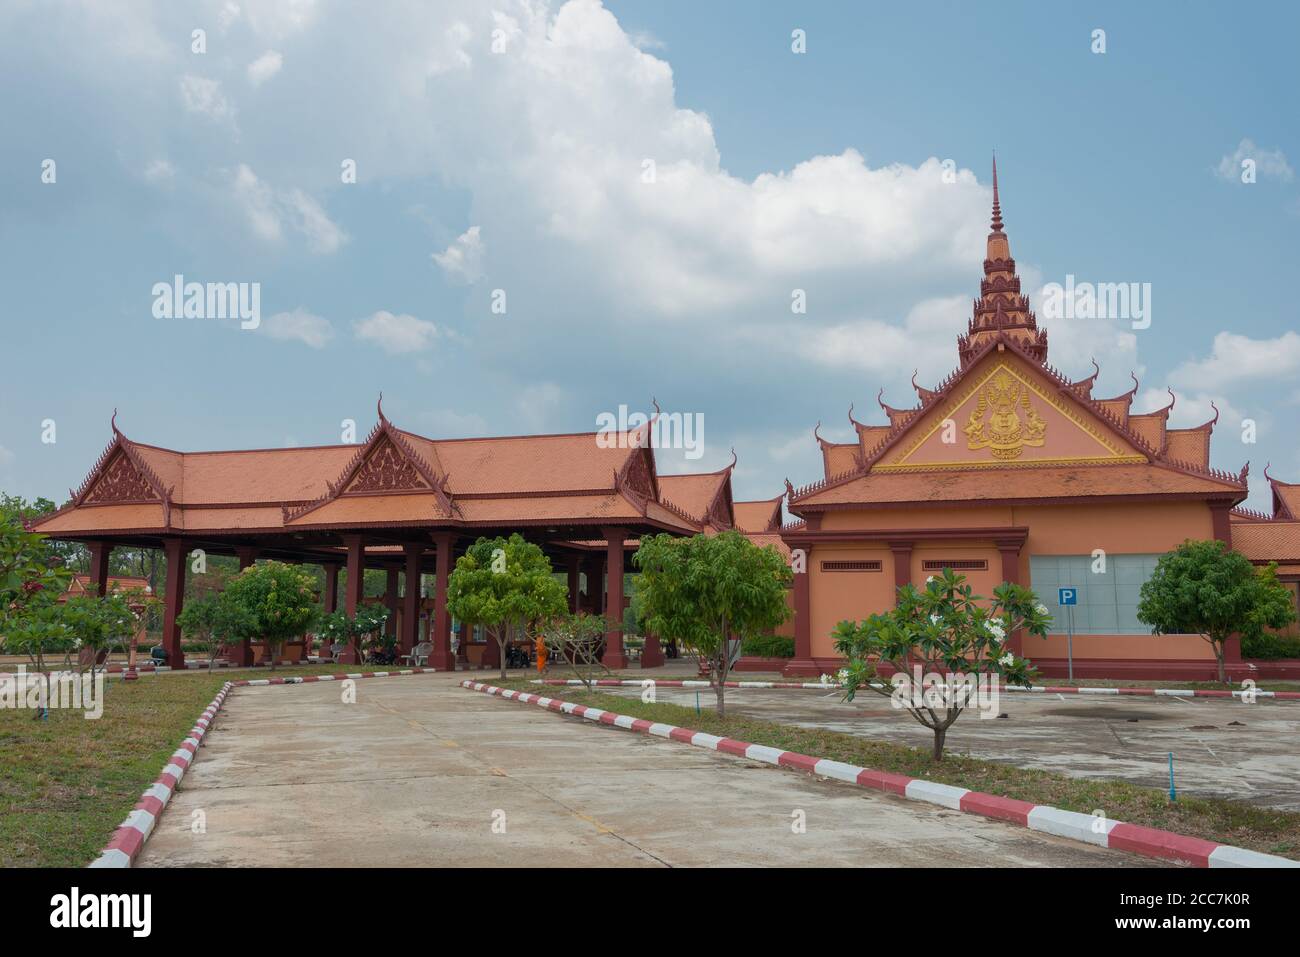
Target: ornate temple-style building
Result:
[403, 503]
[1006, 470]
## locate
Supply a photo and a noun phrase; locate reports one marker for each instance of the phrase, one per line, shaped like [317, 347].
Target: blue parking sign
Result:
[1067, 596]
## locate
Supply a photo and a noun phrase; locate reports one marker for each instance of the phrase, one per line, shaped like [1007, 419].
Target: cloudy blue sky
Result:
[502, 145]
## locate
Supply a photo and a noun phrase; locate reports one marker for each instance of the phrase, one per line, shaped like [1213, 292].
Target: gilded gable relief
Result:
[1004, 415]
[1003, 420]
[121, 482]
[387, 470]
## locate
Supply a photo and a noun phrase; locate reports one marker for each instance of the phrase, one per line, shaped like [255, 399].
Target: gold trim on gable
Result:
[1119, 453]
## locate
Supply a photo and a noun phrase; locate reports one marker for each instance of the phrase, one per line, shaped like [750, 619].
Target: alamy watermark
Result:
[179, 299]
[42, 692]
[1103, 300]
[666, 430]
[920, 689]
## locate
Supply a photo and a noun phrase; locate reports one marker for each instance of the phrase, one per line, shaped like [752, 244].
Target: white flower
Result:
[930, 579]
[843, 675]
[995, 629]
[1041, 608]
[935, 619]
[1007, 660]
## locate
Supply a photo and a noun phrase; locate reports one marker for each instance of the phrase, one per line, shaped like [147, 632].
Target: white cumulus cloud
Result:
[396, 334]
[301, 326]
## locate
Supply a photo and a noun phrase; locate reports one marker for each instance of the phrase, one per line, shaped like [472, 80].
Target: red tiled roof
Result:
[1029, 482]
[694, 494]
[1267, 541]
[755, 517]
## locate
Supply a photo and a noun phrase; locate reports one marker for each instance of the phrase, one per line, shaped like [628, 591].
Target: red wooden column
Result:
[351, 655]
[391, 599]
[411, 600]
[99, 554]
[174, 600]
[1010, 551]
[241, 653]
[331, 586]
[802, 663]
[614, 656]
[331, 570]
[462, 653]
[574, 581]
[441, 656]
[902, 565]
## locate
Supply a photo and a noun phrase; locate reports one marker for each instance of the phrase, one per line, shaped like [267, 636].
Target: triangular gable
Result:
[386, 464]
[119, 481]
[386, 468]
[1002, 411]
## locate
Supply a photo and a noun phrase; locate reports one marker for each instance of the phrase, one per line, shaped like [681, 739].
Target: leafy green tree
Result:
[270, 601]
[42, 629]
[1203, 588]
[210, 619]
[504, 584]
[946, 637]
[709, 593]
[31, 573]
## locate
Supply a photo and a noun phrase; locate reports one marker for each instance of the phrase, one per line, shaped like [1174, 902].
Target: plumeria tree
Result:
[273, 602]
[1204, 588]
[941, 642]
[505, 585]
[98, 624]
[577, 639]
[358, 631]
[709, 593]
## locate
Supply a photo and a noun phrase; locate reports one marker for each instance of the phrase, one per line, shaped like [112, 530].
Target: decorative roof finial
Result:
[380, 407]
[733, 458]
[816, 435]
[113, 423]
[880, 399]
[1266, 475]
[997, 208]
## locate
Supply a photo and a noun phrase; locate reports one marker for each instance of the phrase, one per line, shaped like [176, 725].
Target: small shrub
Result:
[1270, 647]
[768, 646]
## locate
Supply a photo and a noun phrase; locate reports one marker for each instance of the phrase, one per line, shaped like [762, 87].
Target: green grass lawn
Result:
[1230, 822]
[66, 783]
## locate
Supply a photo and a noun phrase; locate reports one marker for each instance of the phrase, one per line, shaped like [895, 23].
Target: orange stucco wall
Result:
[1053, 530]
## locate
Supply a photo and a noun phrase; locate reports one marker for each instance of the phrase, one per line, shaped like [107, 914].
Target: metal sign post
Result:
[1068, 598]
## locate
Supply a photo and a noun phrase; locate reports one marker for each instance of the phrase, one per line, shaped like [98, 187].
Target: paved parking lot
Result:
[1221, 748]
[421, 772]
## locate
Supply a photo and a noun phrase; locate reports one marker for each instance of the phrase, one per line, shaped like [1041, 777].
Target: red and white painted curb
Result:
[1090, 829]
[308, 679]
[128, 840]
[820, 685]
[131, 834]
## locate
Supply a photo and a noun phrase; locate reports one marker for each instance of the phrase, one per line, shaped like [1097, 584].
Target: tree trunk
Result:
[1218, 654]
[501, 647]
[720, 692]
[939, 735]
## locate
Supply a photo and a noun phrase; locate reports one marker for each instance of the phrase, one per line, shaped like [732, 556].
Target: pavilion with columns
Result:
[400, 502]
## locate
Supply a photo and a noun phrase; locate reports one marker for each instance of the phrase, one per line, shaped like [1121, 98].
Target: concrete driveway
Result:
[1221, 748]
[420, 772]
